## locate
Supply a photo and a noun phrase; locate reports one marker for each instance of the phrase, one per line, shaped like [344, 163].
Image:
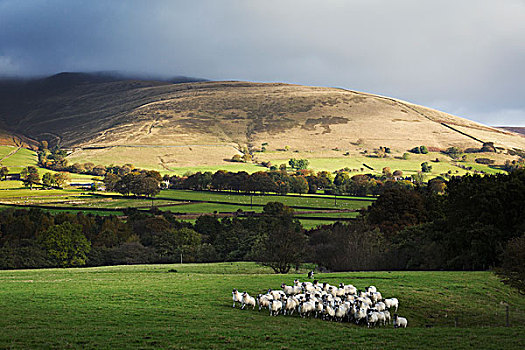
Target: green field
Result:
[409, 167]
[306, 201]
[145, 306]
[72, 198]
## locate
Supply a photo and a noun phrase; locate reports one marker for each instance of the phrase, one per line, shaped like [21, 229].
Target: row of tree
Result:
[137, 182]
[305, 181]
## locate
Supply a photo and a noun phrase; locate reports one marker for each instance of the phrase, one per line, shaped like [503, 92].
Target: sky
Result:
[463, 57]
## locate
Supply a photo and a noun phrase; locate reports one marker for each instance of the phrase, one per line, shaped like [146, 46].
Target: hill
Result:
[109, 119]
[516, 129]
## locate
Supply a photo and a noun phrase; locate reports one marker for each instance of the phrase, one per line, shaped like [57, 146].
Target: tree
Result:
[282, 242]
[453, 152]
[30, 176]
[60, 179]
[299, 184]
[512, 270]
[110, 181]
[150, 186]
[426, 168]
[47, 179]
[396, 209]
[4, 172]
[66, 245]
[423, 149]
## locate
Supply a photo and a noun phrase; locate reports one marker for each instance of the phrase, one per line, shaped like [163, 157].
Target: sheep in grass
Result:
[340, 313]
[360, 315]
[375, 297]
[276, 294]
[388, 318]
[400, 322]
[290, 304]
[264, 301]
[319, 308]
[236, 296]
[247, 300]
[371, 289]
[306, 308]
[349, 289]
[372, 318]
[275, 307]
[288, 290]
[392, 302]
[381, 318]
[380, 306]
[328, 312]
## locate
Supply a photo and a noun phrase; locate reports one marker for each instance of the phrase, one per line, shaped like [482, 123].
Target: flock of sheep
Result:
[343, 303]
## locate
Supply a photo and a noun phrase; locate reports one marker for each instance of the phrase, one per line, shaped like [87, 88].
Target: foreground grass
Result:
[149, 307]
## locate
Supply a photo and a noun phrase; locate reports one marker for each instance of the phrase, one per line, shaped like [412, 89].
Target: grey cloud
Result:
[457, 56]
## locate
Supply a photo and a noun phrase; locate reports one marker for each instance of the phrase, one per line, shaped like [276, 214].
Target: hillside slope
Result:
[207, 122]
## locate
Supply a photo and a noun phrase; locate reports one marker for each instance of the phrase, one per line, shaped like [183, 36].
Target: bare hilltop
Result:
[204, 122]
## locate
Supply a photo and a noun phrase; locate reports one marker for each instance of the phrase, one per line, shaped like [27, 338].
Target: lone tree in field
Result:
[282, 243]
[4, 172]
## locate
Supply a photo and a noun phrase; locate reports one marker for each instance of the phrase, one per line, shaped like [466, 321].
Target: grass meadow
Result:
[146, 306]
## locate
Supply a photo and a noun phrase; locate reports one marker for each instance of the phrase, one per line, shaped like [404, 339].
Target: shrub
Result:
[513, 268]
[425, 167]
[486, 161]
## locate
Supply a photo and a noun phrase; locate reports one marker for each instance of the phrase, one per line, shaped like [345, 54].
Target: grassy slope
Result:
[144, 306]
[327, 201]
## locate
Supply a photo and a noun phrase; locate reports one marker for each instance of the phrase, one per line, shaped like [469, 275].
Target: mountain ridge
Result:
[85, 112]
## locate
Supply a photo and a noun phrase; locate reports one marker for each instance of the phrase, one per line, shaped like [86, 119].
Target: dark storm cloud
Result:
[464, 57]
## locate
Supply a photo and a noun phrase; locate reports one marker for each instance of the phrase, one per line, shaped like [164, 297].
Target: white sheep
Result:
[380, 306]
[375, 296]
[276, 294]
[306, 308]
[371, 289]
[359, 315]
[236, 296]
[290, 305]
[289, 290]
[275, 307]
[328, 312]
[319, 308]
[247, 300]
[388, 318]
[349, 289]
[400, 322]
[372, 318]
[340, 313]
[392, 302]
[381, 317]
[264, 301]
[309, 287]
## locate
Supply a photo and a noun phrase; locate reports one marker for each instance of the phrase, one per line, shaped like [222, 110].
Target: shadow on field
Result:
[356, 278]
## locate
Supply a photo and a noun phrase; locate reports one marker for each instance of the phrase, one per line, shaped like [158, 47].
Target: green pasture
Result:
[147, 306]
[209, 208]
[409, 167]
[312, 223]
[233, 167]
[306, 201]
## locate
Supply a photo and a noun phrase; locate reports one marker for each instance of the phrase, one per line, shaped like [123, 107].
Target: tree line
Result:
[476, 224]
[301, 181]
